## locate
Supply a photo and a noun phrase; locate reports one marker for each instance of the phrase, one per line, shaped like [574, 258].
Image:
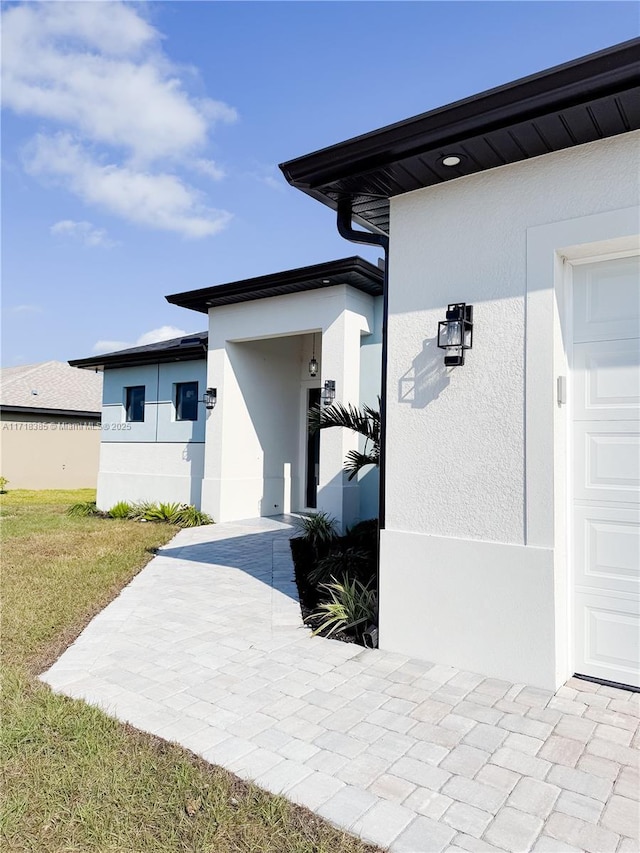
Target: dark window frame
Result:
[180, 403]
[131, 405]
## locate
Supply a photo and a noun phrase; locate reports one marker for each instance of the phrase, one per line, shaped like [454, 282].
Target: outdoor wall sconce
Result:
[313, 363]
[455, 333]
[210, 398]
[329, 392]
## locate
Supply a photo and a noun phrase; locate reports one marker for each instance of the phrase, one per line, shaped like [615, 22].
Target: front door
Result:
[606, 469]
[313, 455]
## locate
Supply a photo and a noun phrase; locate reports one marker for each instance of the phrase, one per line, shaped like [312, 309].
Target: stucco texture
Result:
[455, 460]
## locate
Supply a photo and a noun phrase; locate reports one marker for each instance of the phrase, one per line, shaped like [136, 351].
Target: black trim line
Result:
[33, 410]
[603, 681]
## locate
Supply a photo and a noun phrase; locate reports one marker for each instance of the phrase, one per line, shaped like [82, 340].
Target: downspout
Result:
[346, 230]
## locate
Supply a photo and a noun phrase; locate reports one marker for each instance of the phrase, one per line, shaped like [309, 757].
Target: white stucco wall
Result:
[167, 472]
[159, 459]
[458, 438]
[255, 436]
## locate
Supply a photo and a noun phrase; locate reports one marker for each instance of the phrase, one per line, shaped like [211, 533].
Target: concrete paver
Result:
[206, 647]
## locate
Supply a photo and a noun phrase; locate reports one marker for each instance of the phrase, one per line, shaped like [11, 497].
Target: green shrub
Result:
[318, 530]
[162, 512]
[189, 516]
[120, 510]
[351, 605]
[3, 485]
[84, 509]
[340, 563]
[139, 510]
[364, 534]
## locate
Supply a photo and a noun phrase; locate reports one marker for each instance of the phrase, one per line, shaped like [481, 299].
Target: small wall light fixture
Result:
[455, 333]
[313, 363]
[210, 398]
[329, 392]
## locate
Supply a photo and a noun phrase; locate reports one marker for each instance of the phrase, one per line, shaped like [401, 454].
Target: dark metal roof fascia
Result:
[33, 410]
[581, 80]
[296, 280]
[196, 353]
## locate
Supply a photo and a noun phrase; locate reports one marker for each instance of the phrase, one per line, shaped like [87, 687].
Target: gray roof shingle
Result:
[51, 385]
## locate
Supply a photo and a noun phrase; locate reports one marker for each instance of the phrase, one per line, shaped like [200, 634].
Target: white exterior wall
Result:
[159, 459]
[258, 356]
[475, 456]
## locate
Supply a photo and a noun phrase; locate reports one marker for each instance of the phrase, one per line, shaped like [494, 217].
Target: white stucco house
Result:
[510, 484]
[251, 454]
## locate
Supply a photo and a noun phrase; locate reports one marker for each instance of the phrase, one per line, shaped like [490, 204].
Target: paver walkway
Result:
[206, 647]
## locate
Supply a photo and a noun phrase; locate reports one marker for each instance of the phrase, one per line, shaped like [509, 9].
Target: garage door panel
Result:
[607, 548]
[610, 632]
[607, 461]
[607, 300]
[606, 470]
[607, 380]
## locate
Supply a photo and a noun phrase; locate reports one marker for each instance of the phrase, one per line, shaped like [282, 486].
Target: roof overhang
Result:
[354, 271]
[590, 98]
[191, 348]
[35, 410]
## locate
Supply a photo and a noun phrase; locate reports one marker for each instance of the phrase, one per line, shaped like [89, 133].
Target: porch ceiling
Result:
[354, 271]
[590, 98]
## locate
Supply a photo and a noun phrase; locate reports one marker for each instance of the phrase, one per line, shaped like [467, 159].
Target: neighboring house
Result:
[50, 415]
[251, 455]
[153, 425]
[510, 541]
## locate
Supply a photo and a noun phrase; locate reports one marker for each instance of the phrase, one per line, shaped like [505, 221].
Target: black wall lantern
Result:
[313, 363]
[455, 333]
[210, 398]
[329, 392]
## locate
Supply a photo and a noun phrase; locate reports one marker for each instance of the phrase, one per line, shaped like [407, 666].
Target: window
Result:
[134, 403]
[187, 401]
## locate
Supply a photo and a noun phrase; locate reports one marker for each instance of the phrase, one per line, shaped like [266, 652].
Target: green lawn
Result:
[74, 779]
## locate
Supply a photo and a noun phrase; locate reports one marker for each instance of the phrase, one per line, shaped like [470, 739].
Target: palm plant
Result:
[319, 530]
[84, 509]
[120, 510]
[364, 421]
[351, 604]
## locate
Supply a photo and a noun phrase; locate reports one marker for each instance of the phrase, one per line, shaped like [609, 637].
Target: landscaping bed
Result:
[336, 577]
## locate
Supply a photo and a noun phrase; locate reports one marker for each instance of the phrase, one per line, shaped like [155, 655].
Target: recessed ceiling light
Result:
[451, 160]
[326, 281]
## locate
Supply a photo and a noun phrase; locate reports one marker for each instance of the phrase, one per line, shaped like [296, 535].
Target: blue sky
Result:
[140, 141]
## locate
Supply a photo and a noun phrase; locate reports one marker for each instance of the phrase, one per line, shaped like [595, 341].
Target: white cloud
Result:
[209, 168]
[101, 347]
[160, 201]
[98, 71]
[270, 177]
[85, 232]
[25, 309]
[163, 333]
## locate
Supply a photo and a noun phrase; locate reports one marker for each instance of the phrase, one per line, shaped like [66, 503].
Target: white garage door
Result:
[606, 479]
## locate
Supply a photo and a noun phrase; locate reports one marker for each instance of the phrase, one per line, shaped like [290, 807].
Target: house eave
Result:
[36, 410]
[354, 271]
[587, 99]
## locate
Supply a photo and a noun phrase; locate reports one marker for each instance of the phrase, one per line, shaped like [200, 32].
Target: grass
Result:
[76, 781]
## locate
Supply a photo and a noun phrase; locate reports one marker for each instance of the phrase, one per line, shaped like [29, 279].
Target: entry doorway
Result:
[312, 466]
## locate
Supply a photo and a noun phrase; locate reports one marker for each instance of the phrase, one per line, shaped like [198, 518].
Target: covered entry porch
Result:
[263, 334]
